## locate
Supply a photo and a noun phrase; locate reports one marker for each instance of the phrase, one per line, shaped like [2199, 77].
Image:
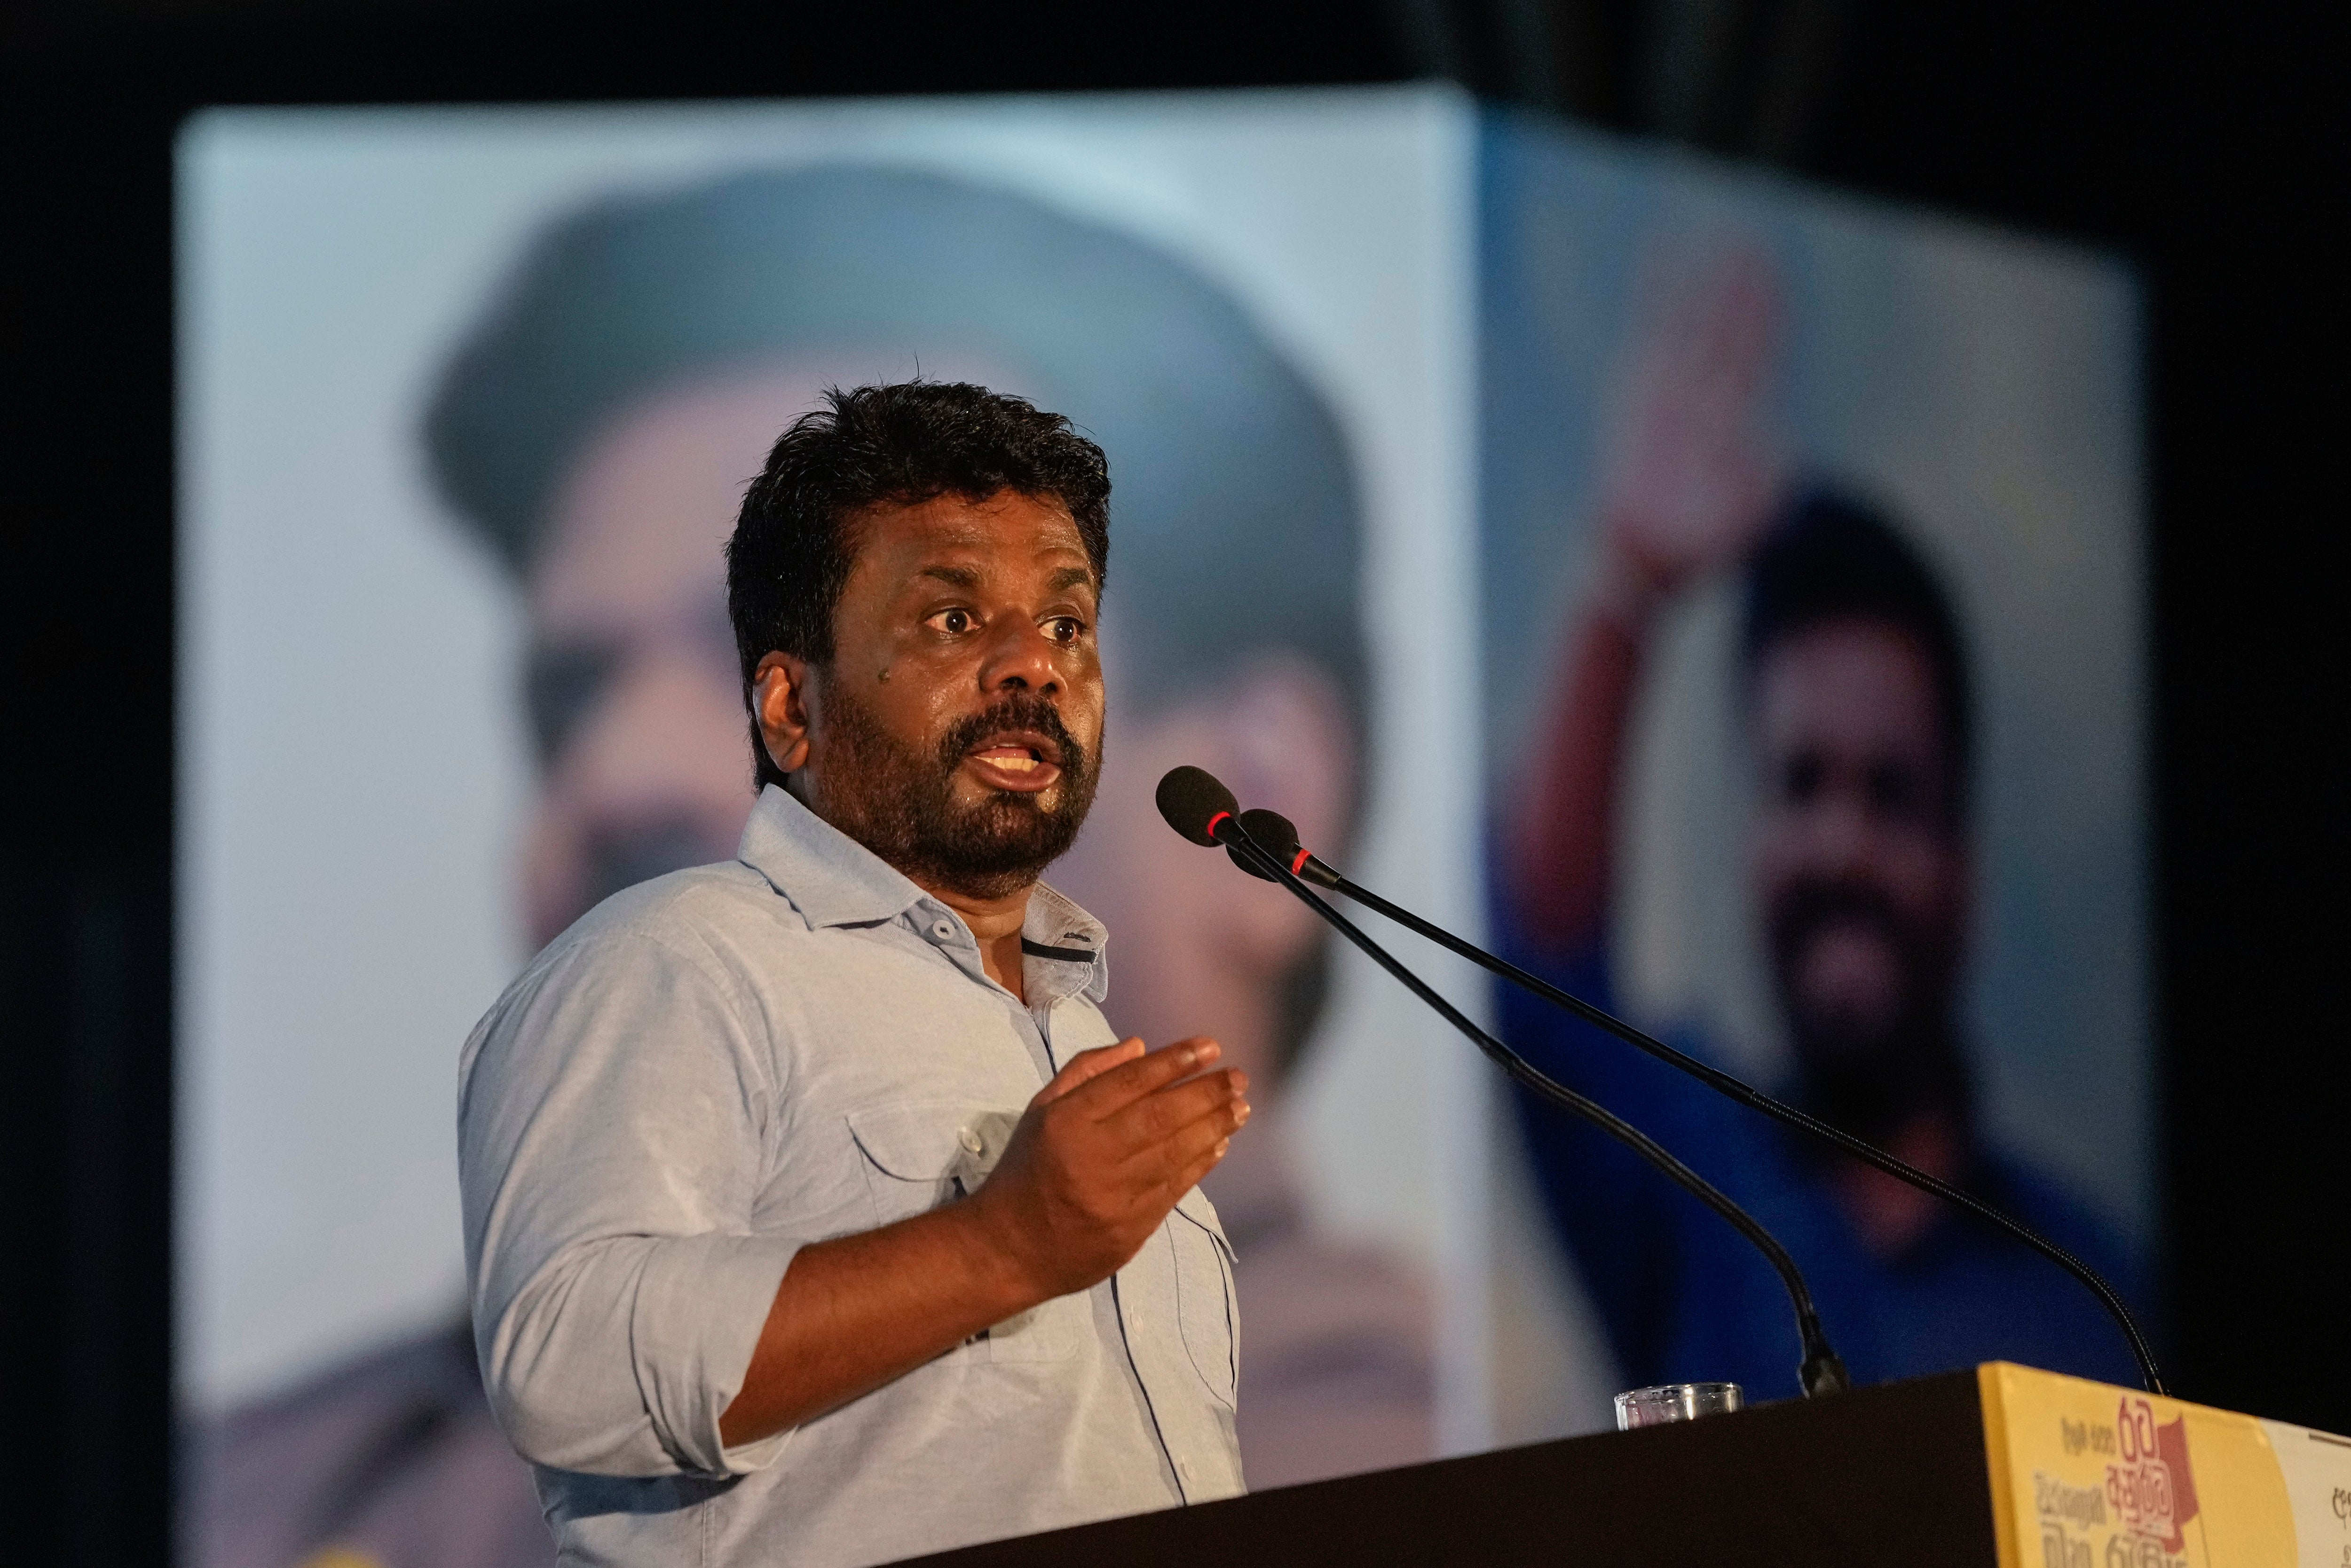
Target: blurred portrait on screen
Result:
[1782, 728]
[594, 431]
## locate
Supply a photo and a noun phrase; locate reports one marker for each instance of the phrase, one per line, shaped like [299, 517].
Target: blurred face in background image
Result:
[631, 684]
[1859, 859]
[599, 423]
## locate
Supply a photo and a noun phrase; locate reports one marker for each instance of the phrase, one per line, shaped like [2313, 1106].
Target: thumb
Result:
[1089, 1064]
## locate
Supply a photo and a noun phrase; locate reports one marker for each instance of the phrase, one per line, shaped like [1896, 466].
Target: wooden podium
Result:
[1999, 1468]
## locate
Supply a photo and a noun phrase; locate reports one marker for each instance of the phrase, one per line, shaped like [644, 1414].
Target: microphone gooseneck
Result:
[1274, 832]
[1278, 836]
[1199, 808]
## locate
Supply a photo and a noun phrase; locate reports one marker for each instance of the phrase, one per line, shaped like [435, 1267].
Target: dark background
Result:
[2198, 140]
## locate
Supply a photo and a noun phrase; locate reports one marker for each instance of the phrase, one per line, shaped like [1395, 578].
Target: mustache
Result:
[1814, 903]
[1015, 710]
[1806, 908]
[624, 854]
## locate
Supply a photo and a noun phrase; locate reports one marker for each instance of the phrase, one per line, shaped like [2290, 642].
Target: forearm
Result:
[855, 1312]
[1563, 854]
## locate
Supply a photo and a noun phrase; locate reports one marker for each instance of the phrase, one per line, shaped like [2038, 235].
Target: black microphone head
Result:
[1191, 799]
[1270, 832]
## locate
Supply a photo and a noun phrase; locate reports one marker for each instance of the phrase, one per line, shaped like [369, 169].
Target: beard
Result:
[899, 800]
[1868, 1069]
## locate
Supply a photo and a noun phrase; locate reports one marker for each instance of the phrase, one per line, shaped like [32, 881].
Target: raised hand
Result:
[1690, 466]
[1691, 469]
[1103, 1153]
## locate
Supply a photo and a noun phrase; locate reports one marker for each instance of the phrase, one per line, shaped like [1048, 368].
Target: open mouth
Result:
[1022, 760]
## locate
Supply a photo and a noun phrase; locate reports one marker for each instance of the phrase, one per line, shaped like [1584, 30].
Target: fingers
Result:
[1157, 1118]
[1159, 1173]
[1197, 1152]
[1190, 1175]
[1088, 1065]
[1195, 1139]
[1111, 1091]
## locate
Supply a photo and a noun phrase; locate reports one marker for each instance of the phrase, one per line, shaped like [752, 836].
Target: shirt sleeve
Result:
[612, 1124]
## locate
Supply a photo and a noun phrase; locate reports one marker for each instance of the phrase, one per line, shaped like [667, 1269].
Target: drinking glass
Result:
[1675, 1402]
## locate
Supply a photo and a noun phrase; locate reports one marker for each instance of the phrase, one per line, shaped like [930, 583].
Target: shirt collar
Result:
[832, 880]
[830, 877]
[1056, 933]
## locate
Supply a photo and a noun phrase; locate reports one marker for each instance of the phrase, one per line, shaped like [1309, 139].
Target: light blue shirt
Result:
[717, 1067]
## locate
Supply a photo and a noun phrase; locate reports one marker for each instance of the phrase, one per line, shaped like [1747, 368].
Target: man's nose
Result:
[1022, 657]
[1841, 831]
[667, 736]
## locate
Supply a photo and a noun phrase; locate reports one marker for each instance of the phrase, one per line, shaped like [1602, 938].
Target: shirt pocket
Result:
[922, 1154]
[1206, 1313]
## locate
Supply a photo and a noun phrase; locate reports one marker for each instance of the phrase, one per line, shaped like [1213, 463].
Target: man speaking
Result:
[813, 1214]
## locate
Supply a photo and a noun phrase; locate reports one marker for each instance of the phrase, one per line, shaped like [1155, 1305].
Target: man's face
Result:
[634, 693]
[957, 730]
[1859, 861]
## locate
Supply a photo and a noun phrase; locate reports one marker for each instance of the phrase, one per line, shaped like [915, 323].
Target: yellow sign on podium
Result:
[2087, 1475]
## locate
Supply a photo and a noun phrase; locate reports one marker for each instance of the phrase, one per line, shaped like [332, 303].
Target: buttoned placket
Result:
[946, 930]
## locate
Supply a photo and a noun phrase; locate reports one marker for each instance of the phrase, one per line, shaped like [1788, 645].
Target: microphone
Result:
[1195, 803]
[1274, 833]
[1201, 809]
[1278, 836]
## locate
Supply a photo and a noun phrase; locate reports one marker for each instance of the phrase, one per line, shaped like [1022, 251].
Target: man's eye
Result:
[1896, 791]
[955, 621]
[1064, 628]
[1802, 779]
[563, 685]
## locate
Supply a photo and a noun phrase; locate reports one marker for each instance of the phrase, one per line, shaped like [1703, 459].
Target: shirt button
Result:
[973, 1141]
[943, 930]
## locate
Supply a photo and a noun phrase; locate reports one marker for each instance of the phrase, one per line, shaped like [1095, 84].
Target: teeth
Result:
[1016, 764]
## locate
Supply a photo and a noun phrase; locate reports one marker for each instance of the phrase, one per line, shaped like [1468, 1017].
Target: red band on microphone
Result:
[1300, 863]
[1211, 829]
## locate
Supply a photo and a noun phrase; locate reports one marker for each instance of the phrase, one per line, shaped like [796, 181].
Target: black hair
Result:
[904, 442]
[1830, 557]
[1239, 513]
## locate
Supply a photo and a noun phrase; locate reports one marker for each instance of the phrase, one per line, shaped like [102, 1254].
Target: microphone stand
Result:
[1311, 868]
[1822, 1372]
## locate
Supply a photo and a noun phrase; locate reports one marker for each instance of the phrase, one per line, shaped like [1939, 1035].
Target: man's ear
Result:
[779, 696]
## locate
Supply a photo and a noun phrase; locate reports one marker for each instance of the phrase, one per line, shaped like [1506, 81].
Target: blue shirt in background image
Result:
[1684, 1298]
